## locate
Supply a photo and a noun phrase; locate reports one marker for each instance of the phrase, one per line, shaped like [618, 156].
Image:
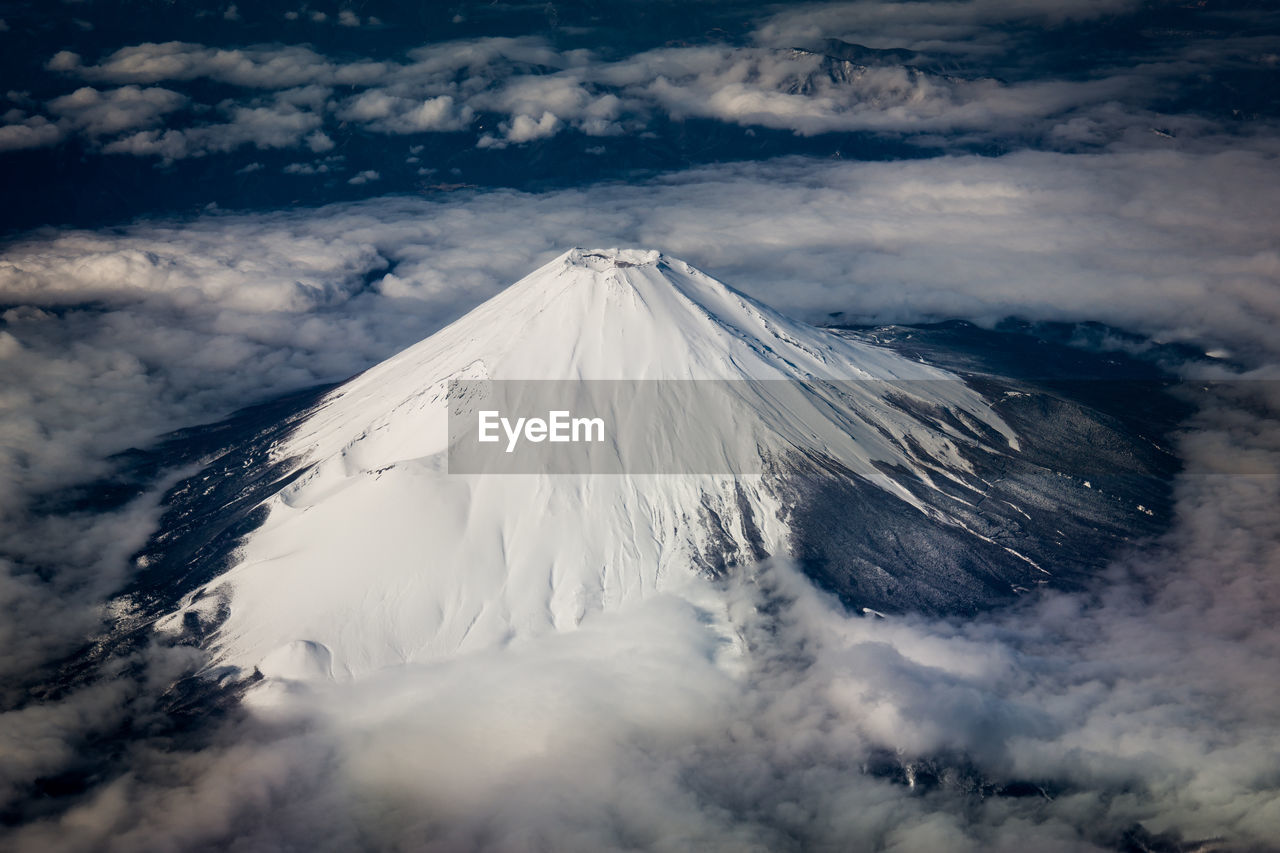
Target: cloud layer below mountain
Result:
[1150, 700]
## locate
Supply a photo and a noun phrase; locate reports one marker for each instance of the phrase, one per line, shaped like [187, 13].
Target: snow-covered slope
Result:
[376, 555]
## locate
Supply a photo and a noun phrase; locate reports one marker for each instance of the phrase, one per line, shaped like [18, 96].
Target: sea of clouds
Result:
[963, 72]
[738, 716]
[733, 717]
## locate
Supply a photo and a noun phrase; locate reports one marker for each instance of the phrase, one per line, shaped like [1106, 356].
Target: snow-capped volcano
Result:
[375, 554]
[611, 314]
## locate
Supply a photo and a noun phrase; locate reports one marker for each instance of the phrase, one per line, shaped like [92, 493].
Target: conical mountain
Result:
[377, 555]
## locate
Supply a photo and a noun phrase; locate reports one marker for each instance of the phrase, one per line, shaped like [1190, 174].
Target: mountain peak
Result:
[601, 260]
[385, 556]
[590, 314]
